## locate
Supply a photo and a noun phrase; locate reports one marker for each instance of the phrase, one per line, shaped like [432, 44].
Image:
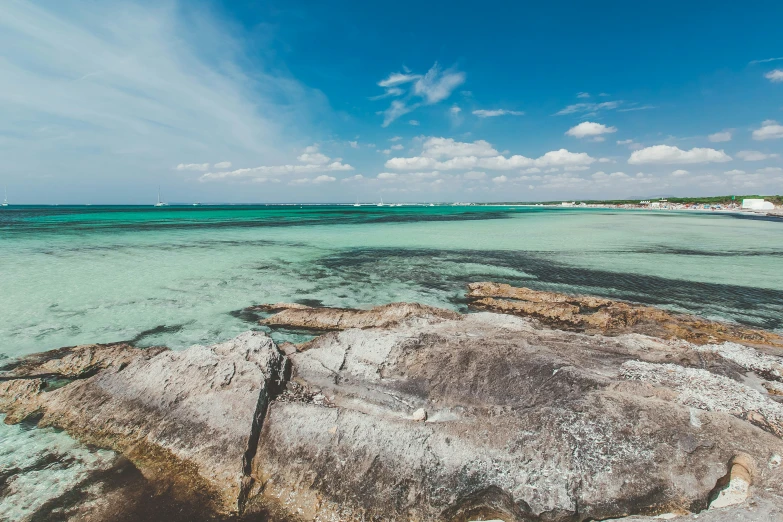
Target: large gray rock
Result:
[521, 424]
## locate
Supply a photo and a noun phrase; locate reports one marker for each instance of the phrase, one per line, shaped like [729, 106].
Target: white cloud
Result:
[323, 178]
[433, 87]
[387, 175]
[449, 148]
[223, 165]
[386, 151]
[589, 129]
[201, 167]
[680, 173]
[438, 85]
[474, 175]
[480, 154]
[398, 79]
[720, 136]
[531, 170]
[396, 109]
[500, 179]
[754, 155]
[311, 156]
[583, 95]
[415, 123]
[310, 161]
[588, 107]
[770, 130]
[397, 147]
[770, 170]
[491, 113]
[575, 168]
[390, 93]
[396, 138]
[357, 177]
[564, 157]
[667, 154]
[455, 109]
[354, 144]
[775, 75]
[734, 172]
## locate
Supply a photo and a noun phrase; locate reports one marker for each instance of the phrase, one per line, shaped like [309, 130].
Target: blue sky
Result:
[101, 102]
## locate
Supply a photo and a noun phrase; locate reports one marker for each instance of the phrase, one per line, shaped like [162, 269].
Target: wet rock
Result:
[523, 424]
[190, 417]
[611, 317]
[300, 316]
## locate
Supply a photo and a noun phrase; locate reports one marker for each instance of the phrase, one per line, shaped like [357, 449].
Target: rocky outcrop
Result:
[324, 319]
[610, 317]
[490, 417]
[407, 412]
[191, 417]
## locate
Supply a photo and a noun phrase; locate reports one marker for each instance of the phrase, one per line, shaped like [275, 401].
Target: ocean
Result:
[178, 276]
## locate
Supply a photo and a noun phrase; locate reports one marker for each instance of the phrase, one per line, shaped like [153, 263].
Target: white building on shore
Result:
[757, 204]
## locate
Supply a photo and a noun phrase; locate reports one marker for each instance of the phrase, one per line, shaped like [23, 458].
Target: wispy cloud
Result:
[765, 60]
[428, 89]
[492, 113]
[588, 107]
[131, 88]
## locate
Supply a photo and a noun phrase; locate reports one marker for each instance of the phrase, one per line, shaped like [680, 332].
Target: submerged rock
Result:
[610, 317]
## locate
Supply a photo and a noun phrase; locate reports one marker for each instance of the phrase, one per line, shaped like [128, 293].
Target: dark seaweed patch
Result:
[429, 269]
[160, 329]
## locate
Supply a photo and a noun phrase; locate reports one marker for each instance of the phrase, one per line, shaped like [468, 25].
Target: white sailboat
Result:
[381, 203]
[5, 198]
[357, 203]
[160, 203]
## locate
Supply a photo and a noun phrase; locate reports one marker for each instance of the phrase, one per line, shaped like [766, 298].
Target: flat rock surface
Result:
[521, 424]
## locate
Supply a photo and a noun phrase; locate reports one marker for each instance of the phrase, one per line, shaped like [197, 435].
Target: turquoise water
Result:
[178, 276]
[181, 275]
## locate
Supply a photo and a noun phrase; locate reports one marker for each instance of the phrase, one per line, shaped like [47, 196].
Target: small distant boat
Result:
[5, 198]
[357, 203]
[432, 205]
[194, 204]
[160, 203]
[381, 203]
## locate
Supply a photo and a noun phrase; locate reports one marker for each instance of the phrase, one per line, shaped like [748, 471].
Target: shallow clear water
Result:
[180, 275]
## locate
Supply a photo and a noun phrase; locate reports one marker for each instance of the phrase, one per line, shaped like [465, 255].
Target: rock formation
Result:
[407, 412]
[193, 415]
[324, 319]
[610, 317]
